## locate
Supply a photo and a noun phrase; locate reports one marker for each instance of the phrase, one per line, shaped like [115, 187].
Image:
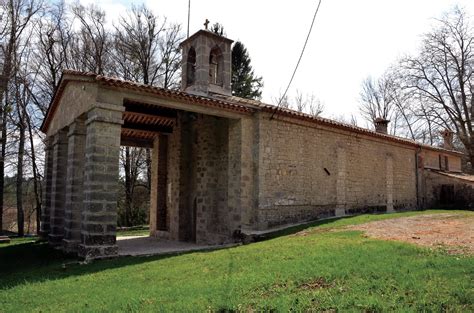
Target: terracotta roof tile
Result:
[463, 176]
[232, 103]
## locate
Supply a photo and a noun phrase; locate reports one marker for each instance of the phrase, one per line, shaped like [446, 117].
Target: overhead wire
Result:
[299, 61]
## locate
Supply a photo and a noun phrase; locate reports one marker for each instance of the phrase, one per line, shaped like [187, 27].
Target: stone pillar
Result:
[101, 171]
[45, 226]
[74, 185]
[173, 190]
[241, 182]
[389, 176]
[159, 217]
[162, 211]
[234, 201]
[341, 182]
[58, 187]
[154, 187]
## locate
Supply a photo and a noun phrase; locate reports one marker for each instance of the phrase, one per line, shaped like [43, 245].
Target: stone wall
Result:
[78, 98]
[308, 171]
[198, 180]
[431, 160]
[443, 191]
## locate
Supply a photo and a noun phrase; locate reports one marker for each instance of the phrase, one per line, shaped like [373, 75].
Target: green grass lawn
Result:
[335, 271]
[135, 231]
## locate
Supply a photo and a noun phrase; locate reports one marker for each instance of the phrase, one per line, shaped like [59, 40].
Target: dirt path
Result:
[453, 232]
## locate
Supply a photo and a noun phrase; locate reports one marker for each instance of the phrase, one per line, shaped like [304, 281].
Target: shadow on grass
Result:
[298, 228]
[35, 261]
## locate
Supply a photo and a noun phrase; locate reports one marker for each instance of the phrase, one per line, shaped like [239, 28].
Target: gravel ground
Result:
[452, 232]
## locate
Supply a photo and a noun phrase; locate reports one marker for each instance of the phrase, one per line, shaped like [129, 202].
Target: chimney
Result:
[381, 125]
[448, 136]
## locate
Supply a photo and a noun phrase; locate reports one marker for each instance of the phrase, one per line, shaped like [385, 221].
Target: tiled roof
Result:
[174, 94]
[231, 103]
[165, 93]
[462, 176]
[279, 111]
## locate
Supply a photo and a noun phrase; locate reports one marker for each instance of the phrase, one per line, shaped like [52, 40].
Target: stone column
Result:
[162, 179]
[58, 187]
[234, 200]
[341, 182]
[172, 188]
[154, 187]
[389, 176]
[241, 183]
[45, 226]
[101, 170]
[74, 185]
[159, 217]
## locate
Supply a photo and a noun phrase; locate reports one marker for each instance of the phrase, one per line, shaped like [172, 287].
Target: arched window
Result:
[216, 66]
[191, 67]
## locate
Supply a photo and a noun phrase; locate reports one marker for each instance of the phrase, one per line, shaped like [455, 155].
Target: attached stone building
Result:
[221, 165]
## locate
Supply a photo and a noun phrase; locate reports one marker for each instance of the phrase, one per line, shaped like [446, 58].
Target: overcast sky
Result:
[350, 39]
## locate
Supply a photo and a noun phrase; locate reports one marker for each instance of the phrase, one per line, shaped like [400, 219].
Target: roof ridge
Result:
[243, 105]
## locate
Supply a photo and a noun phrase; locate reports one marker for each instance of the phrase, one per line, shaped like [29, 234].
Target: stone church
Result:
[222, 167]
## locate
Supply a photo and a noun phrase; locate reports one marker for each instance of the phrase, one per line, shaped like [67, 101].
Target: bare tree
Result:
[314, 105]
[349, 120]
[146, 51]
[90, 44]
[137, 38]
[16, 16]
[147, 48]
[308, 103]
[133, 163]
[170, 56]
[54, 35]
[281, 101]
[442, 75]
[300, 103]
[376, 98]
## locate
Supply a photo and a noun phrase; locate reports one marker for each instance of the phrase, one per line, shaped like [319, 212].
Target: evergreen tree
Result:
[245, 83]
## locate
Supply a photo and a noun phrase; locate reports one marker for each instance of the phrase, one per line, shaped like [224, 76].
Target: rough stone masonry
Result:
[222, 167]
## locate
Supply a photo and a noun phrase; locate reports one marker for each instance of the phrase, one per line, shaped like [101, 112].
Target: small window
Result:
[446, 163]
[216, 66]
[440, 162]
[191, 66]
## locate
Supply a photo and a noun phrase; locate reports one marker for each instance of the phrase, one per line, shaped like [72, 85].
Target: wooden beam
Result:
[136, 142]
[147, 128]
[150, 116]
[136, 107]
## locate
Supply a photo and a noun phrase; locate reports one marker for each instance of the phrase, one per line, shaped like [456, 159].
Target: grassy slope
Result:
[142, 231]
[322, 270]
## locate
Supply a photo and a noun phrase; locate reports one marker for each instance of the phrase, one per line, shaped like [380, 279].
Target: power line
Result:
[189, 14]
[299, 60]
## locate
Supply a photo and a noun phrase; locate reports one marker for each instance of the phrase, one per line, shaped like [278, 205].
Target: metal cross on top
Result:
[206, 23]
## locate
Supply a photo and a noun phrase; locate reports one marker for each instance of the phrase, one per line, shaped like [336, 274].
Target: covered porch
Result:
[202, 168]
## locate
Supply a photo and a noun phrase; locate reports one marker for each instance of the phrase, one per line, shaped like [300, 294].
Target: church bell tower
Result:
[206, 65]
